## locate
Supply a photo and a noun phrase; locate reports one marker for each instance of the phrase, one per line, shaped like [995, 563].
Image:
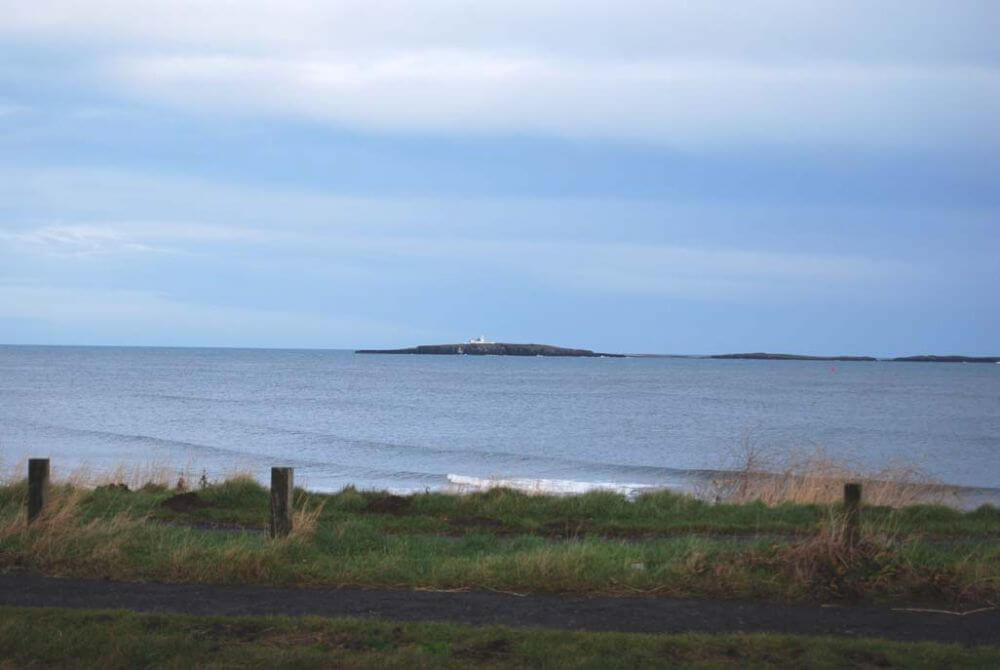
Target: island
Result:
[947, 359]
[482, 347]
[761, 356]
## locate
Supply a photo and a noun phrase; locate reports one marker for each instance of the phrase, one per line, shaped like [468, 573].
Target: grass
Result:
[109, 639]
[758, 474]
[598, 513]
[507, 541]
[242, 501]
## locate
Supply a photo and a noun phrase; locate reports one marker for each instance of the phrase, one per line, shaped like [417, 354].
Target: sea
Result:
[408, 423]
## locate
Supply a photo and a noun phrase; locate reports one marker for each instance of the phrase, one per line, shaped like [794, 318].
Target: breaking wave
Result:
[467, 484]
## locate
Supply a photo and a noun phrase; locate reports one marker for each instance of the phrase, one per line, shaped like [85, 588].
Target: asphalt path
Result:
[643, 615]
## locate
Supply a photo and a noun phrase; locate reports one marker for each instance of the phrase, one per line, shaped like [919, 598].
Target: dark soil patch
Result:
[113, 487]
[861, 658]
[494, 650]
[327, 641]
[390, 504]
[185, 502]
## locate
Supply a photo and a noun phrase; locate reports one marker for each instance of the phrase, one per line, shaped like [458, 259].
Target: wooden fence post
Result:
[852, 514]
[282, 486]
[38, 484]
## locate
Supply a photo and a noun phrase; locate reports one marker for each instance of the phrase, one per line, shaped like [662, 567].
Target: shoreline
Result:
[732, 486]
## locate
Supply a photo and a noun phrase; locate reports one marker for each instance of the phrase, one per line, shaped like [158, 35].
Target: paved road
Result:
[478, 608]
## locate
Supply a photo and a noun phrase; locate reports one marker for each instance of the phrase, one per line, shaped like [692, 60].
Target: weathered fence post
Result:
[38, 484]
[852, 514]
[282, 486]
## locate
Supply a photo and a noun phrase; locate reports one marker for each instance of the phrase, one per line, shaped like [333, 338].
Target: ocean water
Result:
[409, 422]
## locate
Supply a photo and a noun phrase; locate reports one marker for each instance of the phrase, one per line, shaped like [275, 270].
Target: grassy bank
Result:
[243, 502]
[65, 638]
[508, 541]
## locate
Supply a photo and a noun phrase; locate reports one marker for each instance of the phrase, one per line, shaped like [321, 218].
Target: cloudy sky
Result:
[674, 177]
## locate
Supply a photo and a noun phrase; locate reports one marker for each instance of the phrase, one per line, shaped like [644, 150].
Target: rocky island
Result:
[761, 356]
[482, 347]
[947, 359]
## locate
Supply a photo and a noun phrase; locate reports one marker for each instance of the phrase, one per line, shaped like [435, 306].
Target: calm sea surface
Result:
[417, 422]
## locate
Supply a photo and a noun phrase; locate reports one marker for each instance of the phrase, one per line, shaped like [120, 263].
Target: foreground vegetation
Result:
[67, 638]
[508, 541]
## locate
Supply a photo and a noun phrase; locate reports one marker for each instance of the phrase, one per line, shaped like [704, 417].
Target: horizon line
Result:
[626, 354]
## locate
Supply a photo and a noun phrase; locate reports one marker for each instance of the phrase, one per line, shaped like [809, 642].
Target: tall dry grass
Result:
[59, 532]
[305, 518]
[64, 539]
[814, 477]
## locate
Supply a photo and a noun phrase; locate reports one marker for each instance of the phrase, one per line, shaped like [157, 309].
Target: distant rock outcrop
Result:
[760, 356]
[948, 359]
[490, 349]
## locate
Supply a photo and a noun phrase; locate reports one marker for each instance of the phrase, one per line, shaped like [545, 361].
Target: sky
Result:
[657, 177]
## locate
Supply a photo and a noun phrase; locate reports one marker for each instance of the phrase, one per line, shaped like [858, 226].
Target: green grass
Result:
[508, 541]
[112, 639]
[503, 511]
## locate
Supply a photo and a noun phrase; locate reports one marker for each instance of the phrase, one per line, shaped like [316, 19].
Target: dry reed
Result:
[59, 532]
[305, 518]
[814, 477]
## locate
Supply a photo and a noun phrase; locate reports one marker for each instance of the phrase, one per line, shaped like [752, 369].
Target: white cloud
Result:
[894, 31]
[681, 73]
[676, 102]
[77, 240]
[131, 237]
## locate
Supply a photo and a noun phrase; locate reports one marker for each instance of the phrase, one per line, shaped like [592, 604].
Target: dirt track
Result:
[478, 608]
